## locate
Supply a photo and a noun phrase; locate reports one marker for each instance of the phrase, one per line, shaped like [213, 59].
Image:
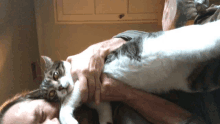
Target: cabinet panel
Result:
[110, 6]
[142, 6]
[78, 7]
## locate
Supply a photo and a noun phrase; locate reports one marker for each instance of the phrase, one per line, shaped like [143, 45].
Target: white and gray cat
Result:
[184, 59]
[58, 82]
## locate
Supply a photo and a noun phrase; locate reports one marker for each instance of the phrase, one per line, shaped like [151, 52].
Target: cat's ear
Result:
[35, 94]
[48, 61]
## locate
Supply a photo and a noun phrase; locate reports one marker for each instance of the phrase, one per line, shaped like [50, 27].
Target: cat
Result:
[154, 62]
[58, 82]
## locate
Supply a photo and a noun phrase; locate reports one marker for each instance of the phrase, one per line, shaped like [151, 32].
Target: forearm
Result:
[153, 108]
[156, 109]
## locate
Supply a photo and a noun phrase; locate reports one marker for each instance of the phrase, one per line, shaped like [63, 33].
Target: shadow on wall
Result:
[18, 47]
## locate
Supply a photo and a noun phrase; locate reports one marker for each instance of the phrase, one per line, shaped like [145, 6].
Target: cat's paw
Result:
[104, 111]
[66, 116]
[68, 120]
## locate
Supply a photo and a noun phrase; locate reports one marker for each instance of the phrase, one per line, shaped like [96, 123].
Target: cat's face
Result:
[57, 78]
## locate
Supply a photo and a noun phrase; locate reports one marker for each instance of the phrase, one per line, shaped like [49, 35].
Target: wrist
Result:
[132, 95]
[110, 45]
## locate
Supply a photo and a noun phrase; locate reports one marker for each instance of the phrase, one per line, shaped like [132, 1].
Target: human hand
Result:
[87, 67]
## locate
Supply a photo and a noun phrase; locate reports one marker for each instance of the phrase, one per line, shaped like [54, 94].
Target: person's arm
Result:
[156, 109]
[88, 65]
[152, 107]
[178, 13]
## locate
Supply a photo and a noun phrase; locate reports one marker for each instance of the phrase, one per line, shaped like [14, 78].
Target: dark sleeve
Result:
[131, 34]
[194, 120]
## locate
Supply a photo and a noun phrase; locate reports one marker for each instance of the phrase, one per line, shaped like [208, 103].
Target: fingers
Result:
[97, 88]
[91, 86]
[95, 69]
[83, 87]
[88, 74]
[106, 87]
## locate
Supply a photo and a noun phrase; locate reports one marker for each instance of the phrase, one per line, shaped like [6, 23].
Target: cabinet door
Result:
[77, 7]
[110, 6]
[107, 11]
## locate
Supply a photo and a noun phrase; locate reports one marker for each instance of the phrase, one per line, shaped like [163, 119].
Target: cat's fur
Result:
[160, 62]
[166, 59]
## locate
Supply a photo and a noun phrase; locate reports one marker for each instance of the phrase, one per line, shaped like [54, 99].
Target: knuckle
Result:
[83, 71]
[84, 90]
[69, 59]
[73, 71]
[92, 71]
[107, 85]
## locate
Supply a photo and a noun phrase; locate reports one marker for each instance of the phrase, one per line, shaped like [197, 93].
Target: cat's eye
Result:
[55, 75]
[52, 93]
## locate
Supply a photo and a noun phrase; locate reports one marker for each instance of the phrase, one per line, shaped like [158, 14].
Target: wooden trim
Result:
[109, 22]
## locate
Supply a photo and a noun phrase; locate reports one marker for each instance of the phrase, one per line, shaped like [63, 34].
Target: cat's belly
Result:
[155, 75]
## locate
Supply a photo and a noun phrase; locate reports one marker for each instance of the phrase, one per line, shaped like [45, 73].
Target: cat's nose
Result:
[60, 88]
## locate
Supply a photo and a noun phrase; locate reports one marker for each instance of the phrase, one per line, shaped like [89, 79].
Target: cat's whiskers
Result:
[59, 55]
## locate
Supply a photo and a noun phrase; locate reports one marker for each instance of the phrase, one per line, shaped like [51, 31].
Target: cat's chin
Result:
[62, 93]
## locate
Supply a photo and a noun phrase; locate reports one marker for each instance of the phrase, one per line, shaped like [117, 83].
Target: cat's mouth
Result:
[63, 89]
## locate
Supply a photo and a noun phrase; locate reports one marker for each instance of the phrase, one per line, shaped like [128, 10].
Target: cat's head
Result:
[57, 78]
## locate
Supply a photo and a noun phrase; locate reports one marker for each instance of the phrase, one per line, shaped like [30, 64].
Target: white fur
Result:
[168, 59]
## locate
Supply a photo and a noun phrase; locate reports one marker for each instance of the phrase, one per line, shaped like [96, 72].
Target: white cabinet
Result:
[107, 11]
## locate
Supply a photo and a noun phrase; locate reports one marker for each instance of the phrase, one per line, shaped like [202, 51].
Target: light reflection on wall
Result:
[5, 48]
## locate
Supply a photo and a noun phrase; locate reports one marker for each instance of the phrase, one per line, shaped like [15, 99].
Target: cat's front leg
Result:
[66, 115]
[71, 101]
[104, 111]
